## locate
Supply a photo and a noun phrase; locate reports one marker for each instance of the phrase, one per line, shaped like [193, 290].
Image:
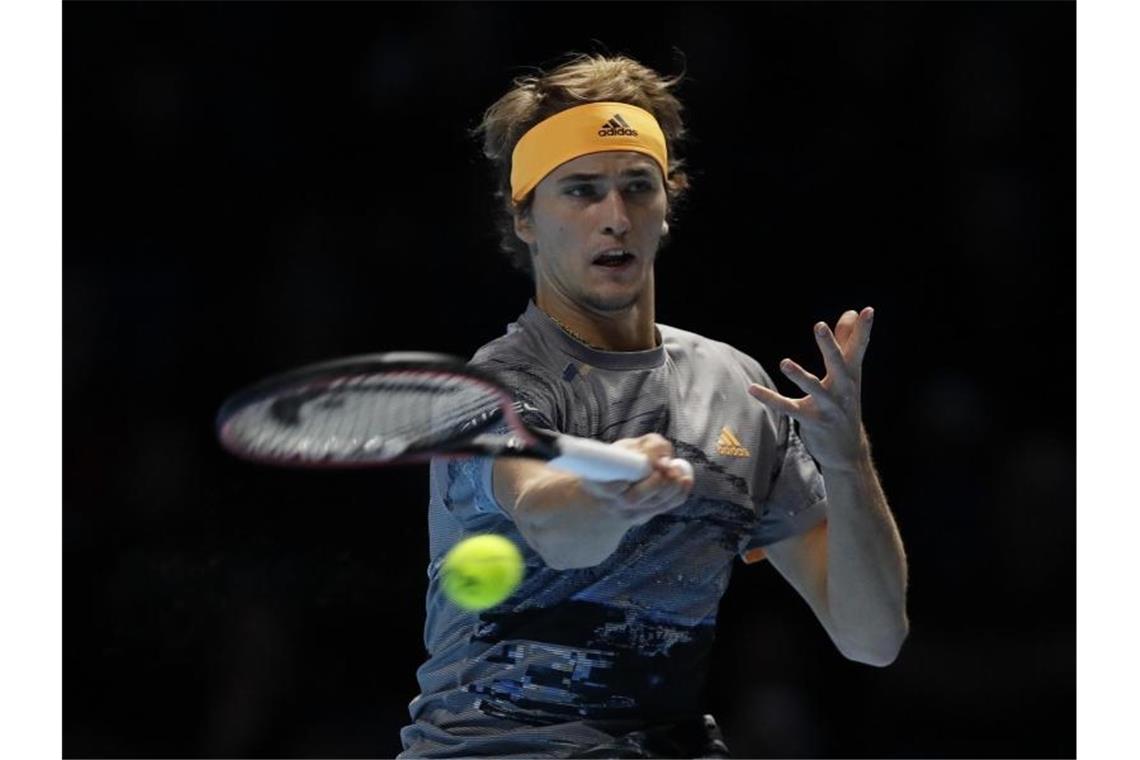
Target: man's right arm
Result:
[574, 523]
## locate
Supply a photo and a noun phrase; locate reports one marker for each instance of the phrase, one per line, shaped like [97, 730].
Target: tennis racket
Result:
[399, 408]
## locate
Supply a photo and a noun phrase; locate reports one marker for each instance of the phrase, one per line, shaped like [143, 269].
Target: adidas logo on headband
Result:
[616, 126]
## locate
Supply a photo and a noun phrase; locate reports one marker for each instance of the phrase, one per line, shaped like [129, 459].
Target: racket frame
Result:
[521, 441]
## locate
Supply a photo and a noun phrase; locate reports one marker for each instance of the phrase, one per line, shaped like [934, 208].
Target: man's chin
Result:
[610, 302]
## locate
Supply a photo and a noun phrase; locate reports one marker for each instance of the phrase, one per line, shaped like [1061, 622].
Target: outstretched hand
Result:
[830, 415]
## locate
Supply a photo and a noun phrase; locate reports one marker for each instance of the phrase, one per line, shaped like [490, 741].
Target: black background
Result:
[253, 186]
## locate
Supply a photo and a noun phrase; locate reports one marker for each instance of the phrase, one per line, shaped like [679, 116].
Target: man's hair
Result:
[582, 79]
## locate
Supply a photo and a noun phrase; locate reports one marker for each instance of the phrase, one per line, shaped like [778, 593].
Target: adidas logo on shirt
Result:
[616, 126]
[729, 445]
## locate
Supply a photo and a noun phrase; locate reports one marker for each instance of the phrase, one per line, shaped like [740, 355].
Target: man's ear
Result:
[524, 229]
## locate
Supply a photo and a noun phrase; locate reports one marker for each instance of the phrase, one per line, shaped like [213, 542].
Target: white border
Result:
[31, 284]
[1108, 209]
[31, 300]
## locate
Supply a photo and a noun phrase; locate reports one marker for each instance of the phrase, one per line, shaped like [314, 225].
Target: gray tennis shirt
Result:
[575, 657]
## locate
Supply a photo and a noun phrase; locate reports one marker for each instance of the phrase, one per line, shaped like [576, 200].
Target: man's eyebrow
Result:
[637, 172]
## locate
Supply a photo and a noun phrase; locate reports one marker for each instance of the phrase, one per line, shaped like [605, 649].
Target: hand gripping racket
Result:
[399, 408]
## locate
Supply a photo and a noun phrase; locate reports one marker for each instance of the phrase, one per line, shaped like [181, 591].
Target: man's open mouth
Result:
[614, 259]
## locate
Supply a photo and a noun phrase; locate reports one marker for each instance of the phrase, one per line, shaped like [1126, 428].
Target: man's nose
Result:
[614, 214]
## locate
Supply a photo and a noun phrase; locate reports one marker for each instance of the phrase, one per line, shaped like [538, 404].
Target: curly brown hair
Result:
[584, 78]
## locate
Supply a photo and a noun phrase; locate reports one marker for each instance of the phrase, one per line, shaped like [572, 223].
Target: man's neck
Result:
[630, 329]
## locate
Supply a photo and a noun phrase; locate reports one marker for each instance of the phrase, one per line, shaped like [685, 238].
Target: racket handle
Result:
[605, 462]
[599, 461]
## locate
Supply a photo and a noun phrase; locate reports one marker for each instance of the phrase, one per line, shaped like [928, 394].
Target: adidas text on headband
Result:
[589, 128]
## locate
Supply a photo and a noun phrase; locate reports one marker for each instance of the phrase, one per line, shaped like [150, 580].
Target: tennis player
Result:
[603, 650]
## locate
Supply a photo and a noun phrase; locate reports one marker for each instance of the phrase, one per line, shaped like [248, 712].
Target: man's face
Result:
[594, 228]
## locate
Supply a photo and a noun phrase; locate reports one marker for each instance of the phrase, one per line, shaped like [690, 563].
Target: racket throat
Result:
[541, 445]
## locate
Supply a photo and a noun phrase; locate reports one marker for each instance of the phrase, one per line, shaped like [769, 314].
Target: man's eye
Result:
[581, 191]
[641, 186]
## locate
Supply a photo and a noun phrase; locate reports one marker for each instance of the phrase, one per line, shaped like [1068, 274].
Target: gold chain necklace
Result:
[573, 334]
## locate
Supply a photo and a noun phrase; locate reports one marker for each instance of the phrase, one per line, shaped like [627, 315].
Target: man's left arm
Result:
[850, 569]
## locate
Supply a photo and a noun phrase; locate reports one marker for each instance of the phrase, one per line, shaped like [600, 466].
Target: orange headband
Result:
[589, 128]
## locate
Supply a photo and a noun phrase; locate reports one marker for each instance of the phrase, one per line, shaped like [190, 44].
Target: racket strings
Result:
[376, 417]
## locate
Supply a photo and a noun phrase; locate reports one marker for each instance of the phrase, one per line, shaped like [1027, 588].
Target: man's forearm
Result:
[866, 569]
[568, 527]
[573, 522]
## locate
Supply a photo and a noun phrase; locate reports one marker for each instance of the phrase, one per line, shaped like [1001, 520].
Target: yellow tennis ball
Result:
[481, 571]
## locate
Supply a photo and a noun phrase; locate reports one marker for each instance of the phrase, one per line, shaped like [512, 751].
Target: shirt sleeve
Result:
[796, 500]
[465, 486]
[535, 395]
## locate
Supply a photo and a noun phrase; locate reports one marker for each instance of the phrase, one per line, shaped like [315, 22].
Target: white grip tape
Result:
[600, 461]
[604, 462]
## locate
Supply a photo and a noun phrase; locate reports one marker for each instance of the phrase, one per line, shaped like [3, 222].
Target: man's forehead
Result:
[607, 163]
